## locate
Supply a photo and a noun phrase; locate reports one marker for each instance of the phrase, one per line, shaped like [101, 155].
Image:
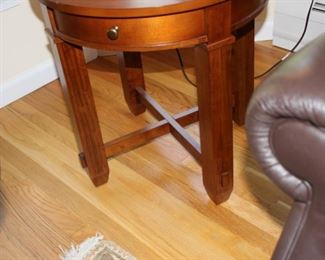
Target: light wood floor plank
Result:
[154, 205]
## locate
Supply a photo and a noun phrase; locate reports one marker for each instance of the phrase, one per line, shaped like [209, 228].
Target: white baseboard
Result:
[33, 79]
[27, 82]
[90, 54]
[264, 30]
[288, 30]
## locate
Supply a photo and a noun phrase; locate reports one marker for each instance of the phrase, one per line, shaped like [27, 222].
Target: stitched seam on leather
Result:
[302, 222]
[275, 125]
[303, 217]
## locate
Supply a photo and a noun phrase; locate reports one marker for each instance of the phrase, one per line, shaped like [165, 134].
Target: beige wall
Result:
[24, 43]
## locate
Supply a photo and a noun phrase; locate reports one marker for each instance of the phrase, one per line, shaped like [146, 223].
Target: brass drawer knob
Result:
[113, 33]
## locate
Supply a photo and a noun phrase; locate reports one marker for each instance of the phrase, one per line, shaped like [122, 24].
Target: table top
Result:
[243, 11]
[127, 8]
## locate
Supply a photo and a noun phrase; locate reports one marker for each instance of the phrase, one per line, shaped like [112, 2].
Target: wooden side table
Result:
[134, 26]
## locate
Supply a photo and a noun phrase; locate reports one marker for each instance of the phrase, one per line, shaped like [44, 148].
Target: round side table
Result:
[222, 33]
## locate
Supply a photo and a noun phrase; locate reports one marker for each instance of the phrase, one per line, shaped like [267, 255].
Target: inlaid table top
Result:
[127, 8]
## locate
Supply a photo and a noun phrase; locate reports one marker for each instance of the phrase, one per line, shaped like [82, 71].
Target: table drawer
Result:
[133, 33]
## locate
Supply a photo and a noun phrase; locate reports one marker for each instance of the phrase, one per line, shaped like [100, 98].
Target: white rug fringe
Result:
[79, 252]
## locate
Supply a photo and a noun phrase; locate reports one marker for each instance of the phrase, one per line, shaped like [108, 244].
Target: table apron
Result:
[134, 34]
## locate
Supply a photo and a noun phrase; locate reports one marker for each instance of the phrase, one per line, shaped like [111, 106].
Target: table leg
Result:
[215, 115]
[243, 71]
[132, 77]
[77, 90]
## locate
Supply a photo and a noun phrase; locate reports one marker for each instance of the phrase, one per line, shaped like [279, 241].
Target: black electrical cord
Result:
[295, 47]
[181, 63]
[271, 68]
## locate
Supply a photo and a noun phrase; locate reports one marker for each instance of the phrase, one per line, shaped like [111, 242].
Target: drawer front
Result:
[133, 33]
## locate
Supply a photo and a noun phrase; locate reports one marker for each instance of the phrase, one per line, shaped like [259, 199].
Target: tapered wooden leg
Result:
[215, 115]
[76, 87]
[243, 71]
[132, 77]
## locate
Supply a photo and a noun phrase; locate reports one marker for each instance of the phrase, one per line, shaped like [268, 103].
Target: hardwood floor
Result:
[154, 205]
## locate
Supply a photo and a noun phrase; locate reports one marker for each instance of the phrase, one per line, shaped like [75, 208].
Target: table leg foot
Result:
[215, 114]
[132, 77]
[218, 195]
[243, 71]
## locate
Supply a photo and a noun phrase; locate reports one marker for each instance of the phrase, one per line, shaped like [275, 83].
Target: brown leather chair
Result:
[286, 131]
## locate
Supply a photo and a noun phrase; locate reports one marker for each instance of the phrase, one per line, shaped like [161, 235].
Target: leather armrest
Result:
[286, 130]
[294, 91]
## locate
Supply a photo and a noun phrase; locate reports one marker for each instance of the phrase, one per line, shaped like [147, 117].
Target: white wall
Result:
[25, 44]
[264, 23]
[26, 61]
[268, 14]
